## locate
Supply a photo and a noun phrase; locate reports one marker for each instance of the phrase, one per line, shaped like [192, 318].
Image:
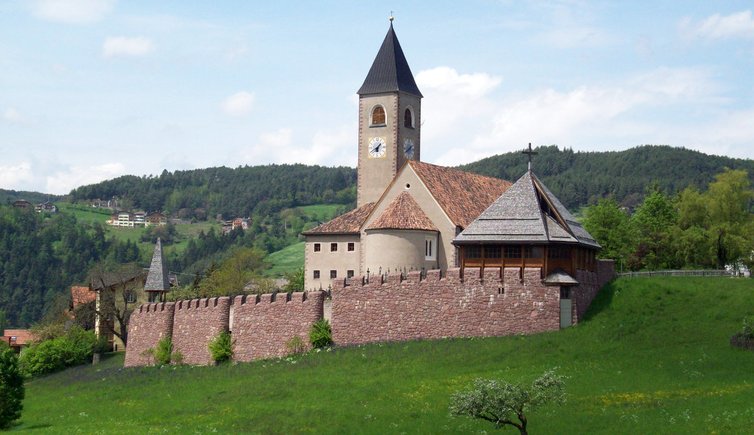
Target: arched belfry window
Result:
[408, 118]
[378, 116]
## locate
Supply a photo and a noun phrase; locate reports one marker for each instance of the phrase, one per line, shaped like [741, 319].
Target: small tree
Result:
[116, 286]
[503, 403]
[11, 387]
[320, 334]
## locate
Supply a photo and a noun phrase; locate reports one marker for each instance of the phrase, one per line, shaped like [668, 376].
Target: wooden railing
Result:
[713, 272]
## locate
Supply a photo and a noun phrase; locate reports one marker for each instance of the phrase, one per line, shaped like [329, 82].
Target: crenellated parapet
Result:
[148, 324]
[196, 323]
[481, 302]
[263, 325]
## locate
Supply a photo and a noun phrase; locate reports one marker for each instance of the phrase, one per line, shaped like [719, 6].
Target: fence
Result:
[714, 272]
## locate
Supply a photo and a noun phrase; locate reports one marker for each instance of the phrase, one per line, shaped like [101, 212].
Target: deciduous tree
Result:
[507, 404]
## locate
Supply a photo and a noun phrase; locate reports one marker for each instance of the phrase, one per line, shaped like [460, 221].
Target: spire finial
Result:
[530, 153]
[391, 18]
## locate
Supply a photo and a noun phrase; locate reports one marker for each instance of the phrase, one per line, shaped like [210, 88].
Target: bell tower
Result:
[389, 120]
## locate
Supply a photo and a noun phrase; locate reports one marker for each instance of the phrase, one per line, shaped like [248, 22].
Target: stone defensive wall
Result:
[149, 324]
[489, 302]
[482, 303]
[262, 325]
[195, 324]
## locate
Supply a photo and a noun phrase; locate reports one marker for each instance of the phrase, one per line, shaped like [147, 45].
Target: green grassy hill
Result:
[653, 357]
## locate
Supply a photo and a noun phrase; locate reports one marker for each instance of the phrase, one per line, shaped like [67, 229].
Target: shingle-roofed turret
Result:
[390, 71]
[157, 279]
[526, 213]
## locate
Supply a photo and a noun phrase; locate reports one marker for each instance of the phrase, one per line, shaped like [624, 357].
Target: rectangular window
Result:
[429, 248]
[349, 274]
[472, 252]
[317, 247]
[333, 274]
[492, 252]
[333, 247]
[560, 252]
[533, 251]
[351, 246]
[316, 274]
[512, 251]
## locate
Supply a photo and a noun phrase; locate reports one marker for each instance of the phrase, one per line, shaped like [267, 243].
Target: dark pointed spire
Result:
[390, 71]
[157, 278]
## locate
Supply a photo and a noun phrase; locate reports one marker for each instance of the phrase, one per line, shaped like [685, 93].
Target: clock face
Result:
[377, 147]
[408, 148]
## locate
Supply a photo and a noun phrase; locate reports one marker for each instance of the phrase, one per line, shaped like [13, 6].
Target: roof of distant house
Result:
[82, 295]
[22, 336]
[348, 223]
[403, 213]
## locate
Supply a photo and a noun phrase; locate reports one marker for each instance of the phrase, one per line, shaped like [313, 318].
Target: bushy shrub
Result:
[747, 331]
[295, 345]
[320, 335]
[163, 352]
[221, 347]
[73, 348]
[11, 387]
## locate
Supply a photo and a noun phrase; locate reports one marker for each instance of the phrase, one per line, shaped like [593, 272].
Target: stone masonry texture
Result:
[483, 304]
[263, 325]
[148, 324]
[489, 302]
[196, 323]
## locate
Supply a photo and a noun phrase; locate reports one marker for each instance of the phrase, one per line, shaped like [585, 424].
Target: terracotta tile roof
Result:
[82, 295]
[19, 337]
[348, 223]
[403, 213]
[462, 195]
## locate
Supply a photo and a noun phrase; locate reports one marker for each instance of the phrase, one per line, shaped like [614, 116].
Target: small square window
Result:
[333, 274]
[351, 246]
[333, 247]
[316, 274]
[317, 247]
[349, 274]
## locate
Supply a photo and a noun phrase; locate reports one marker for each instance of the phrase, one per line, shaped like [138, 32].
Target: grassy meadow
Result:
[653, 356]
[288, 259]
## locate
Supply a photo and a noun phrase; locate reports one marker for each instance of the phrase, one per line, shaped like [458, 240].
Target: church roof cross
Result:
[530, 153]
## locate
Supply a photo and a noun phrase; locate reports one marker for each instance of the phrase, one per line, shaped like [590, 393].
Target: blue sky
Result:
[93, 89]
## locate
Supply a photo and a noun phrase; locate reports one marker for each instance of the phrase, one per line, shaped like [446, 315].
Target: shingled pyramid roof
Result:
[403, 213]
[526, 213]
[157, 278]
[390, 71]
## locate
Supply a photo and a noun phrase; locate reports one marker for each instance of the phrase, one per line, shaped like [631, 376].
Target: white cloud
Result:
[14, 176]
[124, 46]
[736, 25]
[72, 11]
[12, 116]
[466, 127]
[277, 139]
[336, 146]
[63, 181]
[446, 79]
[238, 104]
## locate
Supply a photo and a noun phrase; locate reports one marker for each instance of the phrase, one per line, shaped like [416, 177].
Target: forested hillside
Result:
[41, 255]
[244, 191]
[8, 196]
[581, 178]
[577, 178]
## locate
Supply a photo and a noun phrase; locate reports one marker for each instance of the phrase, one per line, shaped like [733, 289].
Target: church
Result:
[416, 216]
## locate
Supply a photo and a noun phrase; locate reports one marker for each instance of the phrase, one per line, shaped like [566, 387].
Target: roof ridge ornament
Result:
[530, 153]
[391, 18]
